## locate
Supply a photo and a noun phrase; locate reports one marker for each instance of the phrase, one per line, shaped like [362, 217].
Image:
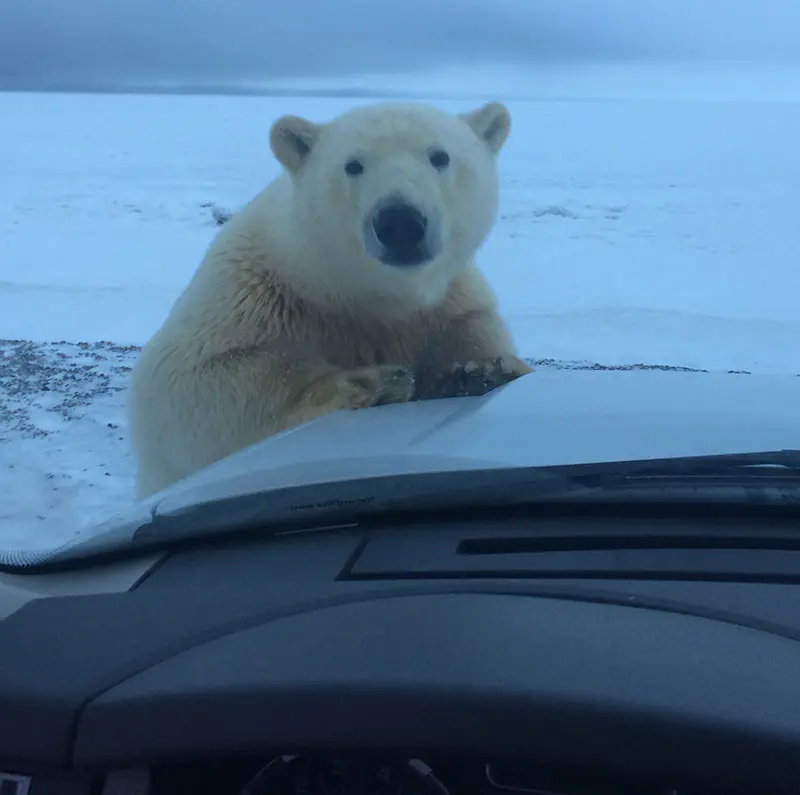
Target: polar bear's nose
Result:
[400, 227]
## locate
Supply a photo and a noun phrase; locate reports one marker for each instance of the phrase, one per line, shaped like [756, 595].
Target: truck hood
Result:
[546, 418]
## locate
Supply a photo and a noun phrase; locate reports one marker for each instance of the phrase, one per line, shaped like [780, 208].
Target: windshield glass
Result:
[448, 236]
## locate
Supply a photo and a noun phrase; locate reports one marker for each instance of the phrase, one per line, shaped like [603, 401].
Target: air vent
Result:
[587, 549]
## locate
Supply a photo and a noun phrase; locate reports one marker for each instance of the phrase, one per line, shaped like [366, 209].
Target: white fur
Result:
[288, 316]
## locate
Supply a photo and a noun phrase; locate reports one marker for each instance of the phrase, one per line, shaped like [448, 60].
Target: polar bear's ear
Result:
[292, 139]
[491, 122]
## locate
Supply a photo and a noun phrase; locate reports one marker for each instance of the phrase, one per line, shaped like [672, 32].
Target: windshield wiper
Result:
[770, 478]
[736, 470]
[748, 477]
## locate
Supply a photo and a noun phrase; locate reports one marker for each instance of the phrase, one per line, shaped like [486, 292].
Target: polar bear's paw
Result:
[374, 386]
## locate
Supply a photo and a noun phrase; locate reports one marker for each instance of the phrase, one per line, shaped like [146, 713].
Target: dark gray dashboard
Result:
[303, 644]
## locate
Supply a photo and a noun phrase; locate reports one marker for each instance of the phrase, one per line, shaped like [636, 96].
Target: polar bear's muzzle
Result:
[398, 233]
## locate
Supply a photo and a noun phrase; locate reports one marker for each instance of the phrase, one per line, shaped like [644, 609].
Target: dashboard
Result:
[388, 661]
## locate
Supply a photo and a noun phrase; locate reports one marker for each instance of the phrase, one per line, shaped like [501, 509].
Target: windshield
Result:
[446, 237]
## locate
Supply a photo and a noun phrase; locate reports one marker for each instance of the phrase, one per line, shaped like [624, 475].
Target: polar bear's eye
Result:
[439, 159]
[353, 168]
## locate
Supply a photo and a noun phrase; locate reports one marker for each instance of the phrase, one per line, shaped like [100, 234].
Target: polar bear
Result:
[348, 282]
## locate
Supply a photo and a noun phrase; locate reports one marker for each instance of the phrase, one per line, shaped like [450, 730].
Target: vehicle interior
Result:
[578, 650]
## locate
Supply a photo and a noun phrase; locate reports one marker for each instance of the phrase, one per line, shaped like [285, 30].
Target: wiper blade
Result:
[755, 479]
[698, 472]
[776, 462]
[355, 500]
[765, 479]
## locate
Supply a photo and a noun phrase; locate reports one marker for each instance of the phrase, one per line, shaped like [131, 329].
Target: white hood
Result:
[547, 418]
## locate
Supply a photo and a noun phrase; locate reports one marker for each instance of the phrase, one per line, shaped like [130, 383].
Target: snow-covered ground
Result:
[636, 229]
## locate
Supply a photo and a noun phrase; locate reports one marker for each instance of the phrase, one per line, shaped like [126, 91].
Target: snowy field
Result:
[635, 231]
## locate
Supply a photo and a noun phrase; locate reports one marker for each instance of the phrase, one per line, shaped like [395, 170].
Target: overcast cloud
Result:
[101, 43]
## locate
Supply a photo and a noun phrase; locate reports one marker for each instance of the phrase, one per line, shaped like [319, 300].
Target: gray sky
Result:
[117, 42]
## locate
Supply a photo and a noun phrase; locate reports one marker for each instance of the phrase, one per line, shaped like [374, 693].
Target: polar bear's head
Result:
[393, 198]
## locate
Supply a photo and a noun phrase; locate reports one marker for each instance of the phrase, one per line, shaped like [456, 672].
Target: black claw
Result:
[465, 382]
[398, 375]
